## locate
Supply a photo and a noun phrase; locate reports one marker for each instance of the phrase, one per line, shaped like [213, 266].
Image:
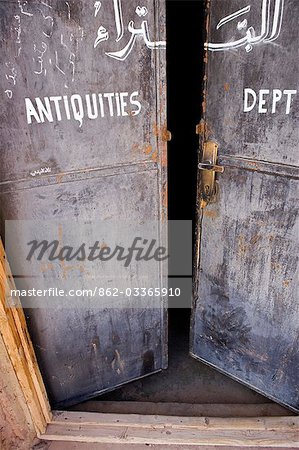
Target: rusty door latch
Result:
[209, 168]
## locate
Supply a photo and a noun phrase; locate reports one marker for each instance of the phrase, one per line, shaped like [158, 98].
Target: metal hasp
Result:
[208, 166]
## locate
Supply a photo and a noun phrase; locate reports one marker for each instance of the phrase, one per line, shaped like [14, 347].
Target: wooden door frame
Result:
[106, 428]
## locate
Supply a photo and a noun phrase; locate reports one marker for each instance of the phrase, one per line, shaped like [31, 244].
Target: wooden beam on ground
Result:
[271, 432]
[59, 445]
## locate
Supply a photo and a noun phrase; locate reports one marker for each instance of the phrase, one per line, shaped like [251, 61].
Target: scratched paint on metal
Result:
[246, 310]
[83, 119]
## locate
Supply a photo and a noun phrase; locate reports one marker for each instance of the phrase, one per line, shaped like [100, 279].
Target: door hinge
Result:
[208, 185]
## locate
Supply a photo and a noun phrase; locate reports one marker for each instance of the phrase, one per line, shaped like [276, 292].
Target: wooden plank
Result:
[97, 428]
[168, 436]
[183, 409]
[136, 429]
[62, 445]
[74, 418]
[16, 339]
[16, 426]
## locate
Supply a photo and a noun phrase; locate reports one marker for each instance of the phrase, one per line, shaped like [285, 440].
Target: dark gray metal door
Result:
[83, 121]
[246, 310]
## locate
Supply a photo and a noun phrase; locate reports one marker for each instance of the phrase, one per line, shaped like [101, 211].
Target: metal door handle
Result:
[208, 165]
[209, 168]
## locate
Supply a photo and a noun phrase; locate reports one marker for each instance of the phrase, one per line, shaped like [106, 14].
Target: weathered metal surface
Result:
[246, 310]
[94, 151]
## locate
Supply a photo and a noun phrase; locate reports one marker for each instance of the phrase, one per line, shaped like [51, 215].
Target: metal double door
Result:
[83, 134]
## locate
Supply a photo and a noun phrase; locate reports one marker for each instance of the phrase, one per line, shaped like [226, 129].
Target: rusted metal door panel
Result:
[246, 311]
[83, 123]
